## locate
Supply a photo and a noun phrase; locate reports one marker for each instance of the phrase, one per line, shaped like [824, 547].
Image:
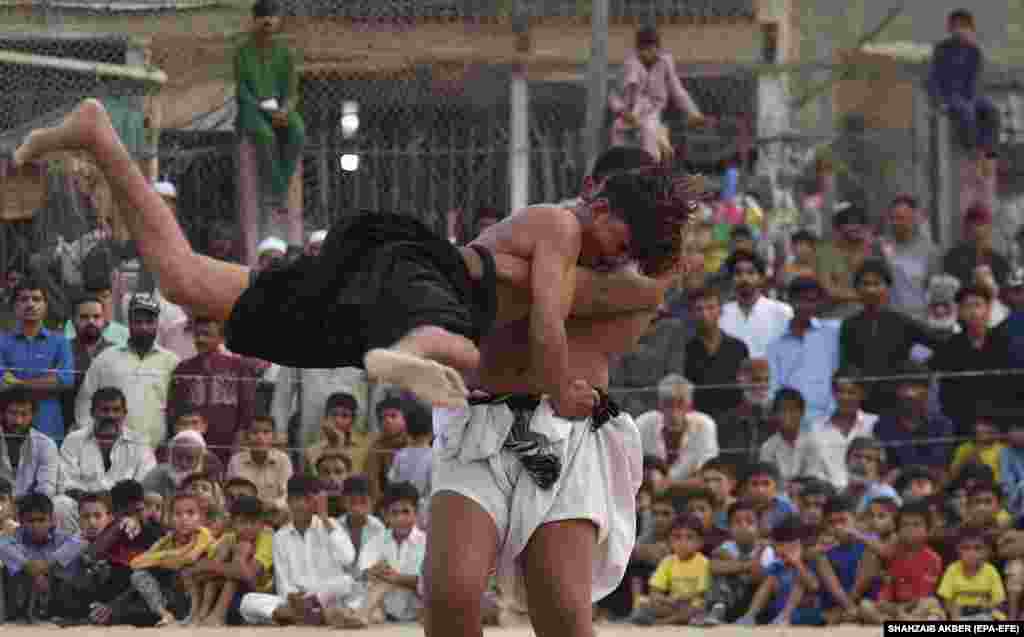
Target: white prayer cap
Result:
[272, 244]
[318, 236]
[166, 189]
[187, 436]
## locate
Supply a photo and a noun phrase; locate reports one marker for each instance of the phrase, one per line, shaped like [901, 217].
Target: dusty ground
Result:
[412, 630]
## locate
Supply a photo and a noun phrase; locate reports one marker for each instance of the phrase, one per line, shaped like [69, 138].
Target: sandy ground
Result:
[413, 630]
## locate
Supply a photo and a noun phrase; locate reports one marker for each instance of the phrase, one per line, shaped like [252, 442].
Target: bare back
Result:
[517, 236]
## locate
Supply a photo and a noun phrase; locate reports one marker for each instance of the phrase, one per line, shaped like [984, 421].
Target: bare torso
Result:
[516, 236]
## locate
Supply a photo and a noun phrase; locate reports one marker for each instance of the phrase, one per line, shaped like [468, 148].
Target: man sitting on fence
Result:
[957, 65]
[650, 80]
[267, 92]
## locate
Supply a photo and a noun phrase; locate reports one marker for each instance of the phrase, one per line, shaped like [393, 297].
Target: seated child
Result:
[35, 557]
[154, 507]
[840, 568]
[719, 476]
[241, 562]
[392, 561]
[761, 485]
[357, 521]
[413, 462]
[916, 483]
[71, 595]
[811, 503]
[879, 523]
[786, 581]
[681, 581]
[986, 448]
[155, 572]
[126, 537]
[980, 516]
[312, 558]
[259, 462]
[736, 566]
[700, 504]
[971, 587]
[911, 573]
[790, 448]
[237, 487]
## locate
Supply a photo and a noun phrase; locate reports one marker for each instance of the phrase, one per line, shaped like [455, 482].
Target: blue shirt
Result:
[786, 577]
[60, 547]
[780, 508]
[845, 560]
[44, 354]
[906, 447]
[807, 364]
[956, 66]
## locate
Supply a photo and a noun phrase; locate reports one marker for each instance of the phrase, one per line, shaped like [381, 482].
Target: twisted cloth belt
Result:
[544, 468]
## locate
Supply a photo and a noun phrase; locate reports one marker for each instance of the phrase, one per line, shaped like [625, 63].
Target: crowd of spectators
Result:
[836, 438]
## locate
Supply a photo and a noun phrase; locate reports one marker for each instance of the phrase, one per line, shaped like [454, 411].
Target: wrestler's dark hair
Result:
[35, 503]
[419, 419]
[657, 208]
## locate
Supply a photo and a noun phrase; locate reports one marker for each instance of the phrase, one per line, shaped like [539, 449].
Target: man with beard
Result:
[95, 457]
[676, 433]
[28, 458]
[141, 369]
[88, 343]
[753, 318]
[743, 429]
[941, 300]
[187, 456]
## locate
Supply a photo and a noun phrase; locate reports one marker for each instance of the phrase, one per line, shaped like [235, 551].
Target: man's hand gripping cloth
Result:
[526, 467]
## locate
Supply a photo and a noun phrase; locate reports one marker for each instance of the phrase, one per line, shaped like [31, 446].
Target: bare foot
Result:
[433, 382]
[166, 619]
[78, 131]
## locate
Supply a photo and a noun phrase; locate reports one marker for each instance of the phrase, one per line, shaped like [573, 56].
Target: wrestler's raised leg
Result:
[420, 363]
[557, 563]
[462, 548]
[205, 286]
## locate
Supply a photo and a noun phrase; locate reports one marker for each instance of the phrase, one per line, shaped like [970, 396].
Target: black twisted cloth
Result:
[543, 468]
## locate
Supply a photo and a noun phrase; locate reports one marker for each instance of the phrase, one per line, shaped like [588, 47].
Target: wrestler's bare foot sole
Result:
[78, 131]
[433, 382]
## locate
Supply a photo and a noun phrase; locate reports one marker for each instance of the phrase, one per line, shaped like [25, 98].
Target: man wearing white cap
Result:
[316, 241]
[269, 250]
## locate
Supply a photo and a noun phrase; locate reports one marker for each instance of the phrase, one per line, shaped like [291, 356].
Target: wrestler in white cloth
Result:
[601, 474]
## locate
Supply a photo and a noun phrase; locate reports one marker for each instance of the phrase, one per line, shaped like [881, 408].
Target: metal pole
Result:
[597, 81]
[519, 118]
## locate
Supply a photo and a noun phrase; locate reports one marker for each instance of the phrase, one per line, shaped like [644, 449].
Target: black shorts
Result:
[379, 276]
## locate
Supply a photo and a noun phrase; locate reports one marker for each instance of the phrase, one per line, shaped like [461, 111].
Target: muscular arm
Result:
[551, 280]
[620, 291]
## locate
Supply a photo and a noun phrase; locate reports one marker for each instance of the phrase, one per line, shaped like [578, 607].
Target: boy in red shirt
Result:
[912, 571]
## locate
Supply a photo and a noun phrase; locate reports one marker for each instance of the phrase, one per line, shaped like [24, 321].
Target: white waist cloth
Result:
[601, 474]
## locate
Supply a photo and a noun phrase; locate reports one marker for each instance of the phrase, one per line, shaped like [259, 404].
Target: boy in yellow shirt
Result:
[241, 562]
[971, 588]
[986, 448]
[681, 580]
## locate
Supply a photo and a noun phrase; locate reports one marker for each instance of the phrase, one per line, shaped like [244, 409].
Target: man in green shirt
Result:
[267, 91]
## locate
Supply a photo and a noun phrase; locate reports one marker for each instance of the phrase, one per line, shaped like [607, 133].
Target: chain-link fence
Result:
[407, 109]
